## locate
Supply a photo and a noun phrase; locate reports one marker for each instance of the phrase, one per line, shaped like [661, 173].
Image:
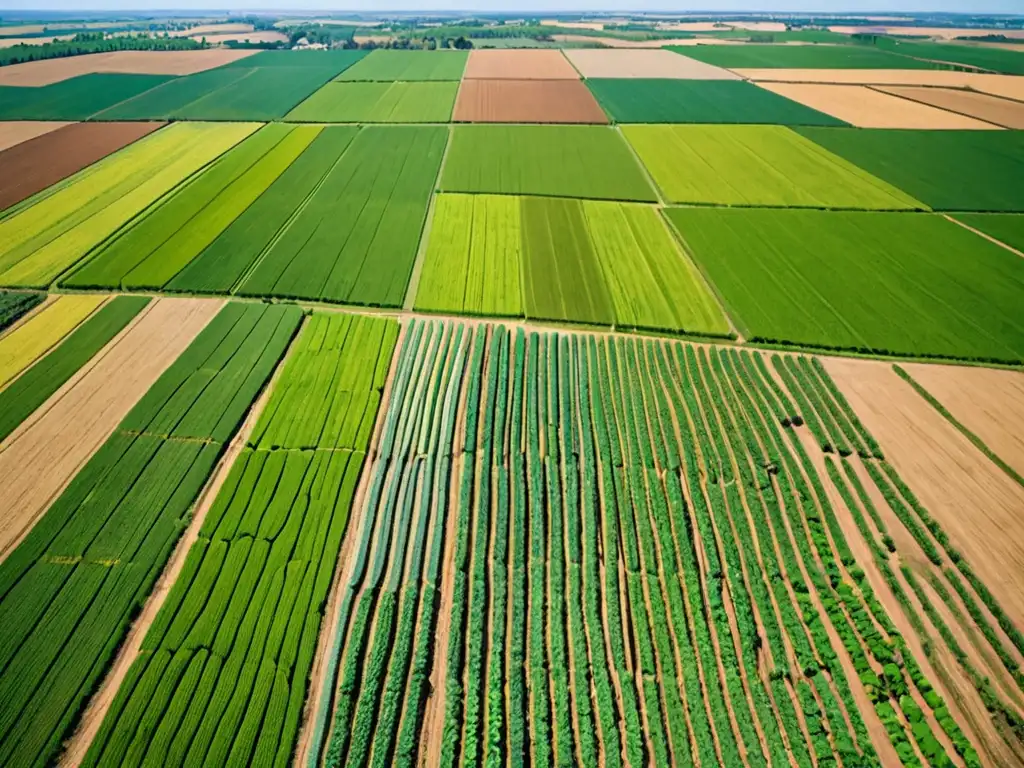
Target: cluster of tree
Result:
[95, 42]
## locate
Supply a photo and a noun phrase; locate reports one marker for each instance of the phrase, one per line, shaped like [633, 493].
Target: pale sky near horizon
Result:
[526, 6]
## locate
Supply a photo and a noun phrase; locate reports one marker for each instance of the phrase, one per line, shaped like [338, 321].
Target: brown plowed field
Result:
[14, 132]
[867, 108]
[518, 65]
[49, 71]
[527, 101]
[643, 63]
[990, 403]
[991, 109]
[41, 457]
[34, 165]
[977, 504]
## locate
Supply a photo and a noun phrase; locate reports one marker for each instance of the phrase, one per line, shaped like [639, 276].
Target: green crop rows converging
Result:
[801, 57]
[77, 98]
[947, 170]
[557, 259]
[885, 283]
[72, 587]
[637, 100]
[408, 66]
[388, 102]
[762, 165]
[224, 668]
[588, 495]
[557, 161]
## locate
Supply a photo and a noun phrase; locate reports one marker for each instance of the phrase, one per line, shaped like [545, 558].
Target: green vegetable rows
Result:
[224, 668]
[69, 591]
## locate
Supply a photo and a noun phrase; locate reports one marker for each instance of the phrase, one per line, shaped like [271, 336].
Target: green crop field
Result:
[378, 103]
[1006, 228]
[747, 165]
[225, 666]
[408, 66]
[173, 95]
[1010, 62]
[355, 237]
[152, 250]
[77, 98]
[557, 161]
[337, 59]
[473, 261]
[71, 588]
[48, 374]
[947, 170]
[634, 100]
[900, 283]
[46, 234]
[800, 57]
[567, 260]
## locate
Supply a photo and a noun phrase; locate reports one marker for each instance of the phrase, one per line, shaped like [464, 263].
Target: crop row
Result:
[13, 305]
[70, 590]
[224, 669]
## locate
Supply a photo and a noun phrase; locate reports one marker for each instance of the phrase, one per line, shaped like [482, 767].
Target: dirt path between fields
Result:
[45, 452]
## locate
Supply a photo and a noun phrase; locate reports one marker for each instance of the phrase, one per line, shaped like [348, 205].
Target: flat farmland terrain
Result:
[46, 234]
[564, 260]
[518, 65]
[642, 64]
[868, 108]
[755, 166]
[802, 57]
[992, 59]
[991, 109]
[360, 102]
[79, 98]
[39, 162]
[1006, 86]
[526, 101]
[1007, 228]
[408, 66]
[701, 101]
[14, 305]
[947, 170]
[557, 161]
[924, 286]
[49, 71]
[14, 132]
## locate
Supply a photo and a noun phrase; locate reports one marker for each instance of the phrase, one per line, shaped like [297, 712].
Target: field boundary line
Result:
[647, 174]
[428, 224]
[879, 89]
[978, 232]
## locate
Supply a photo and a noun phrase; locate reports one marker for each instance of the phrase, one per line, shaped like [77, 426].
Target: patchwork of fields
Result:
[736, 482]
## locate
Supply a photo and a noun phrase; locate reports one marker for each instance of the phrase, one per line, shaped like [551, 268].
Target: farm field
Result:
[361, 102]
[488, 563]
[869, 108]
[79, 98]
[223, 671]
[802, 57]
[642, 64]
[991, 109]
[14, 132]
[925, 286]
[48, 233]
[72, 586]
[996, 85]
[557, 161]
[993, 59]
[408, 66]
[37, 163]
[946, 170]
[1007, 228]
[756, 166]
[518, 65]
[701, 101]
[14, 304]
[526, 101]
[49, 71]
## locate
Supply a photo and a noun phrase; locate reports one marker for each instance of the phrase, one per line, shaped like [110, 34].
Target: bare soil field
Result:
[527, 101]
[518, 65]
[205, 30]
[988, 402]
[34, 165]
[643, 63]
[1007, 86]
[977, 504]
[249, 37]
[33, 73]
[945, 33]
[41, 457]
[14, 132]
[991, 109]
[614, 42]
[867, 108]
[10, 42]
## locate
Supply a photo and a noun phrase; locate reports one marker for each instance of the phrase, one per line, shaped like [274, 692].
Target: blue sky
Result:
[534, 6]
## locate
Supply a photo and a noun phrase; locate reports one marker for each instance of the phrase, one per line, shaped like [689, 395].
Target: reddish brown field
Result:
[34, 165]
[17, 131]
[519, 65]
[527, 101]
[991, 109]
[33, 73]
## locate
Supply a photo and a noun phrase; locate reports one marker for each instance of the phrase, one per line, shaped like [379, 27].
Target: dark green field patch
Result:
[77, 98]
[755, 56]
[996, 59]
[172, 96]
[700, 101]
[1007, 228]
[947, 170]
[338, 60]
